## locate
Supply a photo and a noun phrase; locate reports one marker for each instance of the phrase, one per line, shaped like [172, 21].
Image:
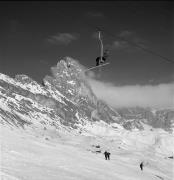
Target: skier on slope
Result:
[107, 155]
[141, 166]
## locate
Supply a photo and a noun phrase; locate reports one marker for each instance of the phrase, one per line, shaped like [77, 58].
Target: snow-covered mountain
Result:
[66, 100]
[157, 118]
[64, 124]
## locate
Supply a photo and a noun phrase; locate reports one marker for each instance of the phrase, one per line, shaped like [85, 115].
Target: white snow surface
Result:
[37, 154]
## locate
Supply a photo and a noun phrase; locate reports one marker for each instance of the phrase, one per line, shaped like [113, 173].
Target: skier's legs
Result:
[105, 156]
[108, 156]
[141, 166]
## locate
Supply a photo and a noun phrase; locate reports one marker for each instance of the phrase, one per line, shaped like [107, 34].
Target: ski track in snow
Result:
[29, 156]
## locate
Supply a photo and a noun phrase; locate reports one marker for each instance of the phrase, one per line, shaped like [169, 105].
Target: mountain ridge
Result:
[66, 99]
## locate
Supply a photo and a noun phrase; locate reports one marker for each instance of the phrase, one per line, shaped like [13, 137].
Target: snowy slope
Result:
[56, 155]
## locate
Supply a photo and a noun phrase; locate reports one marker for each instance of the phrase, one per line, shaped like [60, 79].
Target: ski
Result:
[96, 67]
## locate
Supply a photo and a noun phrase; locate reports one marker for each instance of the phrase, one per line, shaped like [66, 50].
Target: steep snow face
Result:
[26, 103]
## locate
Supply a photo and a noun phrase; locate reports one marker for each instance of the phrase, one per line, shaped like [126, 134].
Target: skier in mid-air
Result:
[100, 60]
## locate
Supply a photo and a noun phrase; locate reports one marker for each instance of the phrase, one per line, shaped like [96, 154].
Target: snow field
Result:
[30, 156]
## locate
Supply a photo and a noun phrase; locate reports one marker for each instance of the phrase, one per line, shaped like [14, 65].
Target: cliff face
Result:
[66, 100]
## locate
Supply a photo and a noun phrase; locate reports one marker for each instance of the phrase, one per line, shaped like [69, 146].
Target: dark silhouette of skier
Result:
[141, 166]
[100, 60]
[107, 155]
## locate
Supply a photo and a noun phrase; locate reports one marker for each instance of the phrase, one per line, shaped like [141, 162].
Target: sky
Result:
[35, 35]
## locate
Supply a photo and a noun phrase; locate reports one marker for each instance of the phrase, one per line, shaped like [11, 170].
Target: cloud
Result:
[125, 33]
[91, 74]
[119, 45]
[155, 96]
[95, 14]
[133, 37]
[125, 41]
[62, 38]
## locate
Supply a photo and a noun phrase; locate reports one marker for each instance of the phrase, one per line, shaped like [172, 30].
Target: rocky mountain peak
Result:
[68, 78]
[66, 98]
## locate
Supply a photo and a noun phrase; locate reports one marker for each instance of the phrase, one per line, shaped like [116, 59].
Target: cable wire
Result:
[130, 42]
